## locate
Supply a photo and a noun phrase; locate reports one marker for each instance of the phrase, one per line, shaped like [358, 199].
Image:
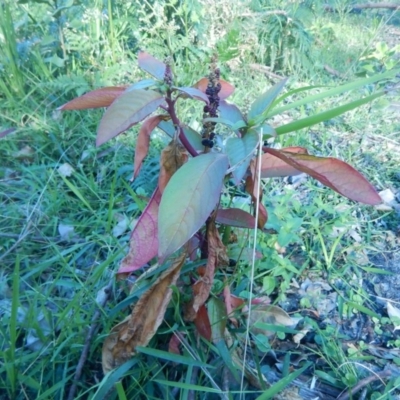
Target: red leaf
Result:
[143, 141]
[333, 173]
[235, 217]
[226, 88]
[274, 167]
[103, 97]
[202, 323]
[194, 93]
[174, 342]
[144, 237]
[151, 65]
[127, 110]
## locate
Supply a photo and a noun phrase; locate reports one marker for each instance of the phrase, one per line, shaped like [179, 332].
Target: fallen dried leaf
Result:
[216, 256]
[141, 325]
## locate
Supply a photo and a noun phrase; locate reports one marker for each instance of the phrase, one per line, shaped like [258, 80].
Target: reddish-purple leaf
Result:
[274, 167]
[194, 93]
[103, 97]
[188, 200]
[226, 88]
[174, 343]
[235, 217]
[230, 112]
[333, 173]
[143, 141]
[202, 323]
[127, 110]
[144, 238]
[151, 65]
[7, 132]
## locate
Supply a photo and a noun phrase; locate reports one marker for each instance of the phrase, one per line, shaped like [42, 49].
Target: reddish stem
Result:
[177, 123]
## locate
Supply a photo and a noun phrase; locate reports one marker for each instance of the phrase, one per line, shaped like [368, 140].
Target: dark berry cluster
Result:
[168, 75]
[211, 110]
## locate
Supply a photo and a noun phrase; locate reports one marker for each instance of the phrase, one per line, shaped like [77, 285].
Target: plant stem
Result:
[177, 123]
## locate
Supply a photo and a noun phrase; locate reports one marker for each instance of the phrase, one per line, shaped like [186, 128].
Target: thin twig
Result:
[265, 70]
[88, 340]
[364, 382]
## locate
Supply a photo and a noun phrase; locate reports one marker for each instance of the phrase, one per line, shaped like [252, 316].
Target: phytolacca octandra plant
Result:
[192, 177]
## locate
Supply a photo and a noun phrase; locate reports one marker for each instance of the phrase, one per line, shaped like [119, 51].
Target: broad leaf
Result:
[192, 136]
[235, 217]
[193, 93]
[274, 167]
[240, 152]
[263, 103]
[143, 141]
[143, 84]
[333, 173]
[202, 323]
[226, 88]
[127, 110]
[103, 97]
[230, 112]
[143, 245]
[151, 65]
[140, 327]
[188, 200]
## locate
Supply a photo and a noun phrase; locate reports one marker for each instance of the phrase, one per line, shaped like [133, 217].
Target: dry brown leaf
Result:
[172, 158]
[142, 324]
[216, 256]
[252, 182]
[271, 315]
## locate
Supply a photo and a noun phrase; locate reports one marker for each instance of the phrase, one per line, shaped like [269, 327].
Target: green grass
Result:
[49, 285]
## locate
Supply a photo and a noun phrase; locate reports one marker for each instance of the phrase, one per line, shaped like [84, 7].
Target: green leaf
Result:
[240, 152]
[188, 386]
[230, 112]
[333, 173]
[127, 110]
[326, 115]
[262, 104]
[188, 199]
[279, 386]
[335, 91]
[111, 378]
[166, 355]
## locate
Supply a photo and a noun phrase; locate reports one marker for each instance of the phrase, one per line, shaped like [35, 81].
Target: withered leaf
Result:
[172, 158]
[142, 324]
[216, 256]
[252, 182]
